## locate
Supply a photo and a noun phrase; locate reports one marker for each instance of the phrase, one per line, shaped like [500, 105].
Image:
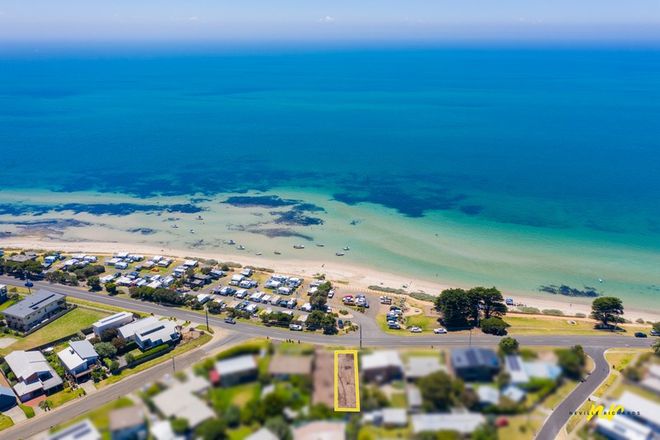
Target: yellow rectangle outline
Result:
[357, 381]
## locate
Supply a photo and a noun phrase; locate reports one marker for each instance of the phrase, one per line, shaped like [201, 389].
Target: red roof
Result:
[214, 377]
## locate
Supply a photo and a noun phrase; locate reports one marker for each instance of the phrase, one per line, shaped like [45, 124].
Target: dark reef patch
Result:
[279, 232]
[96, 208]
[143, 231]
[295, 217]
[565, 290]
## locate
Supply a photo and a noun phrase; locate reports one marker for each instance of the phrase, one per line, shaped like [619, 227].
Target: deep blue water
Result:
[549, 138]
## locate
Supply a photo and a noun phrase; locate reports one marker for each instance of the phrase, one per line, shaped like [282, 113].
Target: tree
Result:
[214, 307]
[94, 283]
[212, 429]
[180, 425]
[456, 305]
[572, 361]
[329, 324]
[319, 299]
[105, 349]
[494, 326]
[111, 288]
[279, 427]
[656, 348]
[607, 309]
[315, 320]
[508, 346]
[656, 327]
[485, 432]
[233, 416]
[490, 301]
[109, 334]
[437, 391]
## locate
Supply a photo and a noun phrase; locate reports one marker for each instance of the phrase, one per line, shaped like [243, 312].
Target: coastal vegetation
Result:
[477, 307]
[607, 309]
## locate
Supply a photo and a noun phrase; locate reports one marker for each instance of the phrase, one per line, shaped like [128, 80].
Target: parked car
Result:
[655, 333]
[640, 335]
[440, 331]
[295, 327]
[393, 325]
[415, 329]
[230, 320]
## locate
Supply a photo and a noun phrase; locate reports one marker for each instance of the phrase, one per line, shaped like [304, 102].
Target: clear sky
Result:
[328, 20]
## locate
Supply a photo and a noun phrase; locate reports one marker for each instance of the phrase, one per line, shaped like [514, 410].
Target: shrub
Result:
[553, 312]
[494, 326]
[580, 315]
[530, 310]
[28, 410]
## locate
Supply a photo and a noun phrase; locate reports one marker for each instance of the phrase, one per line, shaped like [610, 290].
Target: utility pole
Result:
[360, 337]
[173, 365]
[208, 329]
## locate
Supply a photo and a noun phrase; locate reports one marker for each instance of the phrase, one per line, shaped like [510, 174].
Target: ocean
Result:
[519, 168]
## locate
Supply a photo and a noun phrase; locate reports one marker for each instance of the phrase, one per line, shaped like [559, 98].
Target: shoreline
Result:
[358, 277]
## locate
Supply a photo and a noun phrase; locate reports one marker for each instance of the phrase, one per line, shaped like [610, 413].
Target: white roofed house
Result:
[382, 366]
[78, 358]
[155, 334]
[80, 431]
[463, 423]
[113, 321]
[420, 366]
[128, 331]
[236, 369]
[34, 375]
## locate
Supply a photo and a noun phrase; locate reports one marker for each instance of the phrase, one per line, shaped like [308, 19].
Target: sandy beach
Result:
[350, 276]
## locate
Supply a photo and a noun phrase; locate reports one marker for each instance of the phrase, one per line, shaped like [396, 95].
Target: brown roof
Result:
[126, 418]
[287, 364]
[324, 385]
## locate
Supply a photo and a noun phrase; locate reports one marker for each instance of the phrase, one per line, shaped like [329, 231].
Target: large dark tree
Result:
[456, 306]
[490, 301]
[439, 390]
[607, 309]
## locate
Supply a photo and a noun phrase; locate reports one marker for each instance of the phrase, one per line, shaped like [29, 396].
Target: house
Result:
[80, 431]
[475, 364]
[128, 424]
[34, 375]
[521, 371]
[34, 309]
[640, 409]
[113, 321]
[394, 417]
[236, 369]
[652, 379]
[488, 395]
[382, 366]
[513, 393]
[162, 430]
[78, 358]
[322, 430]
[7, 398]
[420, 366]
[622, 428]
[262, 434]
[284, 366]
[127, 331]
[463, 423]
[155, 334]
[414, 398]
[178, 401]
[190, 263]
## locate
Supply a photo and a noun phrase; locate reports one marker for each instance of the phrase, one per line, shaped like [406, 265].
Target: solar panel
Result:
[471, 357]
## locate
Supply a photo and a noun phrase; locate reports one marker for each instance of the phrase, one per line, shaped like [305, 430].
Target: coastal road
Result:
[371, 335]
[122, 388]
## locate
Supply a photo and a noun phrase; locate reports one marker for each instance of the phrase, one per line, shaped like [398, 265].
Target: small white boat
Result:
[277, 253]
[175, 226]
[258, 253]
[192, 231]
[346, 248]
[339, 254]
[240, 247]
[299, 246]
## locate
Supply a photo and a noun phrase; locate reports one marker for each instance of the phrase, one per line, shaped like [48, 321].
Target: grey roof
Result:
[236, 365]
[32, 303]
[6, 391]
[474, 357]
[163, 331]
[84, 349]
[80, 431]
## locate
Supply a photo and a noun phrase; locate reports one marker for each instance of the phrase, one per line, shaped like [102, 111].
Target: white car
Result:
[440, 331]
[295, 327]
[415, 330]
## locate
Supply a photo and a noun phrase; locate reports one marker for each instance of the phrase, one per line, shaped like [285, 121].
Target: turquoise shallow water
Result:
[560, 146]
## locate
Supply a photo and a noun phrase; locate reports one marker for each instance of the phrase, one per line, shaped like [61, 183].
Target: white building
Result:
[155, 334]
[179, 402]
[78, 357]
[463, 423]
[34, 375]
[128, 331]
[113, 321]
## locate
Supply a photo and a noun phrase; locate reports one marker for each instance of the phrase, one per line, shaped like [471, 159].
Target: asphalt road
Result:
[595, 346]
[562, 412]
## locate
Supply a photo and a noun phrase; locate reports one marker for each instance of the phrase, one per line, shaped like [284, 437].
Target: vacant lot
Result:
[347, 395]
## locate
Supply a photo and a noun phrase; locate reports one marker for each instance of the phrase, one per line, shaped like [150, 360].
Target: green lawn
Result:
[239, 433]
[537, 325]
[64, 396]
[370, 432]
[5, 422]
[222, 398]
[180, 349]
[66, 325]
[8, 303]
[398, 400]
